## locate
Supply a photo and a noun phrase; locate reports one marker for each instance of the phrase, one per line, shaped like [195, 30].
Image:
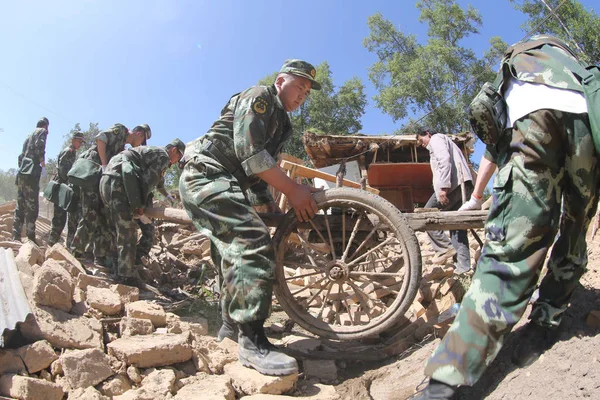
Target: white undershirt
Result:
[523, 98]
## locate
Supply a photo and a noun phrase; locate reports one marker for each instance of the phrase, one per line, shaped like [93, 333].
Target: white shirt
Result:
[523, 98]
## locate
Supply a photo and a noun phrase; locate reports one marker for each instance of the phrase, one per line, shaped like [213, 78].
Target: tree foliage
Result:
[438, 78]
[8, 189]
[330, 110]
[571, 22]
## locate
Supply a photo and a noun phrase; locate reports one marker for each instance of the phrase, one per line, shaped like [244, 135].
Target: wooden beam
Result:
[306, 172]
[425, 221]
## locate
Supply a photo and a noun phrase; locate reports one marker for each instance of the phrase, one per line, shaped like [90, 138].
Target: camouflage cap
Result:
[178, 144]
[303, 69]
[42, 122]
[78, 135]
[147, 132]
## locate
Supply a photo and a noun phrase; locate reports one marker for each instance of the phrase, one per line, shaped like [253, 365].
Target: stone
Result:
[128, 294]
[593, 319]
[84, 280]
[198, 326]
[10, 362]
[250, 381]
[157, 385]
[134, 374]
[207, 387]
[323, 370]
[62, 330]
[86, 394]
[104, 300]
[59, 252]
[29, 254]
[147, 310]
[84, 368]
[135, 326]
[115, 386]
[211, 356]
[53, 286]
[37, 356]
[151, 350]
[56, 368]
[22, 387]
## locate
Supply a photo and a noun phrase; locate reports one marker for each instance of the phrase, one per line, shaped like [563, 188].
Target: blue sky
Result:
[174, 64]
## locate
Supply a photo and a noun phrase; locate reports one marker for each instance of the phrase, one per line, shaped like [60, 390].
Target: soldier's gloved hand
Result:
[44, 174]
[473, 204]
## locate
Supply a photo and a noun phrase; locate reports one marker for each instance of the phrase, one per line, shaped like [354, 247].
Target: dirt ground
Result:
[570, 369]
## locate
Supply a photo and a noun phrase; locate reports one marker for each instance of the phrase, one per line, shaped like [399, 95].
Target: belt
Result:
[210, 149]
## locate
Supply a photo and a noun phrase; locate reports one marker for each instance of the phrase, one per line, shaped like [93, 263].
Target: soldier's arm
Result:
[102, 152]
[299, 196]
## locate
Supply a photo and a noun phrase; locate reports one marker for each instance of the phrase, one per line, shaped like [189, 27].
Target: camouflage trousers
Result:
[59, 220]
[547, 157]
[92, 226]
[145, 242]
[121, 222]
[27, 209]
[240, 241]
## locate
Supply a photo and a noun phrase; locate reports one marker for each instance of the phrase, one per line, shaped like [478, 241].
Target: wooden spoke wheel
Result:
[351, 272]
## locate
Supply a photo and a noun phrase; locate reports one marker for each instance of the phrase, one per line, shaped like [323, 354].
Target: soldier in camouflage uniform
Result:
[545, 156]
[92, 225]
[28, 185]
[65, 161]
[226, 173]
[150, 164]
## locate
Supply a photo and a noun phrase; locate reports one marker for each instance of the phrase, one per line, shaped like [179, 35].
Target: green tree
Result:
[437, 79]
[8, 189]
[571, 22]
[328, 110]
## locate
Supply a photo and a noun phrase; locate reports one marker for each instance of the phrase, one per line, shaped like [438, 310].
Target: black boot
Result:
[436, 390]
[534, 340]
[228, 329]
[255, 351]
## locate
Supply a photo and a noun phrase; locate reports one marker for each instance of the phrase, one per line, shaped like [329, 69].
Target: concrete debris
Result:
[93, 338]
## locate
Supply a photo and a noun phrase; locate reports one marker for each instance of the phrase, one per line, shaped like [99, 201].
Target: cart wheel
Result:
[351, 272]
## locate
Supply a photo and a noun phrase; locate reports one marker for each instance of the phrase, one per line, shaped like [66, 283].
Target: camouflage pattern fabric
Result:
[36, 150]
[28, 187]
[120, 217]
[240, 241]
[145, 241]
[152, 162]
[250, 133]
[65, 158]
[92, 224]
[27, 208]
[547, 157]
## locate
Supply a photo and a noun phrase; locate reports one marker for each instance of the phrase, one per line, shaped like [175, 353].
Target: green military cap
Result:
[78, 135]
[147, 132]
[42, 122]
[301, 68]
[178, 144]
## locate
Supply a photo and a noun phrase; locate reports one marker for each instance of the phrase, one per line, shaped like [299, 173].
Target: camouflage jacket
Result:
[65, 161]
[545, 65]
[36, 150]
[251, 131]
[114, 137]
[150, 163]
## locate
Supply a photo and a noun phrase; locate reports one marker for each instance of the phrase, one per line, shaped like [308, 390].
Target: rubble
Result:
[92, 338]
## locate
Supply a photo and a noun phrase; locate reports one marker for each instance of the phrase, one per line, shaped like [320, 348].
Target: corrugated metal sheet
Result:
[14, 307]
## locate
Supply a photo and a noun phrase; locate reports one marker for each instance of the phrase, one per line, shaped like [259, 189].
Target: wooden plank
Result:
[310, 173]
[436, 220]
